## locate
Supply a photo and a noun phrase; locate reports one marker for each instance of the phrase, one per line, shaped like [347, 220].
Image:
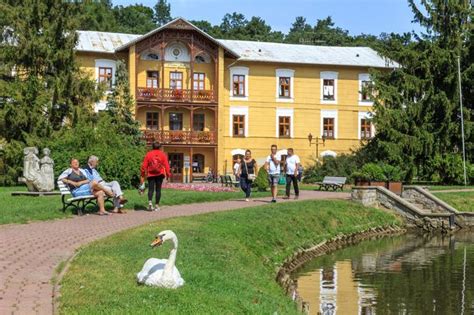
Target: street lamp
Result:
[316, 142]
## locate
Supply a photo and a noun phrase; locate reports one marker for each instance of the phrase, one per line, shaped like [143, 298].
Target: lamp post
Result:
[316, 142]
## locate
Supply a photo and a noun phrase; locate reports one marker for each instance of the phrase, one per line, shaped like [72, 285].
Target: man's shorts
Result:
[273, 179]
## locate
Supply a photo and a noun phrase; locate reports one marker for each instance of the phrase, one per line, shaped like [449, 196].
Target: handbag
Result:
[282, 180]
[250, 177]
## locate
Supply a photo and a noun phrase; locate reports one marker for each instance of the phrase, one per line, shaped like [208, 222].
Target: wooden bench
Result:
[78, 203]
[331, 182]
[232, 182]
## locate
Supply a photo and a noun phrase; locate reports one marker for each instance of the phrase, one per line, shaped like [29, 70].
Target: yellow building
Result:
[207, 100]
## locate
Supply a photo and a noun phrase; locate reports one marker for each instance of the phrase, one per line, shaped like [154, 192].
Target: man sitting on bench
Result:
[76, 179]
[114, 186]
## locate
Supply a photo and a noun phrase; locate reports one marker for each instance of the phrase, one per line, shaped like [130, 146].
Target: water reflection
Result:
[408, 274]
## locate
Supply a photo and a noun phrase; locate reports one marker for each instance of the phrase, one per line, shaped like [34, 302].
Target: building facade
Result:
[208, 100]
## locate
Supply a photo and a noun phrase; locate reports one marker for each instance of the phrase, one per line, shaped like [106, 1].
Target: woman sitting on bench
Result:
[80, 186]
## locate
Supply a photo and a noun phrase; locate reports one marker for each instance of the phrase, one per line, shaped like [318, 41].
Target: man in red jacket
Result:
[155, 167]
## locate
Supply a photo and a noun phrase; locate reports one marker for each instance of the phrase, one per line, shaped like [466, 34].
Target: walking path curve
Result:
[31, 252]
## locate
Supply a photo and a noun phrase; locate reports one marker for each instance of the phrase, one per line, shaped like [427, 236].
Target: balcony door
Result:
[176, 80]
[176, 165]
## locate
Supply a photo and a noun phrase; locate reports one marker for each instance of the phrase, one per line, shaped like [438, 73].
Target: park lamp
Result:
[310, 139]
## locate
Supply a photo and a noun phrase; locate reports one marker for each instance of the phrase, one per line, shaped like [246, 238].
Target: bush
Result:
[392, 173]
[120, 155]
[261, 182]
[447, 169]
[373, 172]
[343, 165]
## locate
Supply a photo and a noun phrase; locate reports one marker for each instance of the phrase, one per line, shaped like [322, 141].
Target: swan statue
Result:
[162, 272]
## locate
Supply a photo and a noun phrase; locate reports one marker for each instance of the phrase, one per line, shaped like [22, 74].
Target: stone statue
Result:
[47, 168]
[38, 174]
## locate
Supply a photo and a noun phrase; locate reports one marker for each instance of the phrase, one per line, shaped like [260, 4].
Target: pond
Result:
[408, 274]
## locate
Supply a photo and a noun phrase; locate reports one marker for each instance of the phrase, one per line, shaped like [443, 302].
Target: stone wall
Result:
[428, 200]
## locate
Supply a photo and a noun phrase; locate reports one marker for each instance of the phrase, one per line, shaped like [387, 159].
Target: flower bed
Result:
[198, 187]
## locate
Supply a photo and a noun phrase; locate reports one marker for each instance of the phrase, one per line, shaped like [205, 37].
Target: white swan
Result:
[162, 272]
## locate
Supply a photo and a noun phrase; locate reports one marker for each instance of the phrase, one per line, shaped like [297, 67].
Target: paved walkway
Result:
[31, 252]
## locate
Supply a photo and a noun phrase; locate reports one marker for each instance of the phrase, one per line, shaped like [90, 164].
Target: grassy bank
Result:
[462, 201]
[22, 209]
[227, 259]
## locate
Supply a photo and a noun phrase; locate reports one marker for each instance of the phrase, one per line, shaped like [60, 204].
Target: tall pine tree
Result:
[417, 105]
[162, 12]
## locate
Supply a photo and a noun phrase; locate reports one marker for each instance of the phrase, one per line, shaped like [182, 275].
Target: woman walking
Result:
[155, 167]
[247, 171]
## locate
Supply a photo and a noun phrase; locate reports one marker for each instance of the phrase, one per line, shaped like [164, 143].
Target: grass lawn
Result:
[452, 187]
[23, 209]
[462, 201]
[227, 259]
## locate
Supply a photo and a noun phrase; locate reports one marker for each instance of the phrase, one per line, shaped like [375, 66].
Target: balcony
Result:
[180, 137]
[175, 95]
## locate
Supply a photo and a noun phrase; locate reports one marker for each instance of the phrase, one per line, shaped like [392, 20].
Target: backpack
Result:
[155, 165]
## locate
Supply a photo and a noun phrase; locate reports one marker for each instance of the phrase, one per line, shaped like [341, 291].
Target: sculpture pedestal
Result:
[36, 193]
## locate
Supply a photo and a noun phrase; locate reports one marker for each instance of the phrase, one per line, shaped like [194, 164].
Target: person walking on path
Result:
[156, 168]
[272, 165]
[248, 169]
[292, 166]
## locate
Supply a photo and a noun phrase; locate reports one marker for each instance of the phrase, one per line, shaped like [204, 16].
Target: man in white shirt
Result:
[292, 165]
[272, 165]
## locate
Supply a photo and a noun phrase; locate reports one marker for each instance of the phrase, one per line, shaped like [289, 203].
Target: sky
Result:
[357, 16]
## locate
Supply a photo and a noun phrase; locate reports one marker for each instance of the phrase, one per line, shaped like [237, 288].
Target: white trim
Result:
[281, 152]
[328, 153]
[284, 112]
[364, 77]
[365, 115]
[328, 75]
[329, 114]
[108, 63]
[284, 73]
[237, 151]
[241, 71]
[239, 110]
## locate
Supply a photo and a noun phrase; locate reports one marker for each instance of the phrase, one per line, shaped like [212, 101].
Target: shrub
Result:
[392, 173]
[373, 172]
[119, 155]
[261, 182]
[447, 168]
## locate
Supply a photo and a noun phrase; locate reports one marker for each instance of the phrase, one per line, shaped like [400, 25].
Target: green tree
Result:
[134, 19]
[97, 15]
[162, 12]
[417, 105]
[120, 103]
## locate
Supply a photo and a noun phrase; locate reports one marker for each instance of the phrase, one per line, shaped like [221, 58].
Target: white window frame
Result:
[364, 77]
[239, 71]
[107, 63]
[238, 110]
[328, 153]
[284, 112]
[284, 73]
[365, 115]
[329, 75]
[329, 114]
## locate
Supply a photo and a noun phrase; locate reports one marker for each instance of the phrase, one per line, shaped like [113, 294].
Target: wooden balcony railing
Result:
[180, 137]
[175, 95]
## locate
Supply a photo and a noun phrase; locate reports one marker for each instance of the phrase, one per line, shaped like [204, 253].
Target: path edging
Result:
[302, 256]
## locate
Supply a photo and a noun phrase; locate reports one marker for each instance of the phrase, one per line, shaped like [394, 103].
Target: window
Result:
[284, 90]
[105, 75]
[238, 122]
[328, 89]
[365, 95]
[152, 79]
[284, 123]
[238, 85]
[328, 128]
[176, 80]
[198, 122]
[198, 79]
[365, 129]
[176, 121]
[152, 122]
